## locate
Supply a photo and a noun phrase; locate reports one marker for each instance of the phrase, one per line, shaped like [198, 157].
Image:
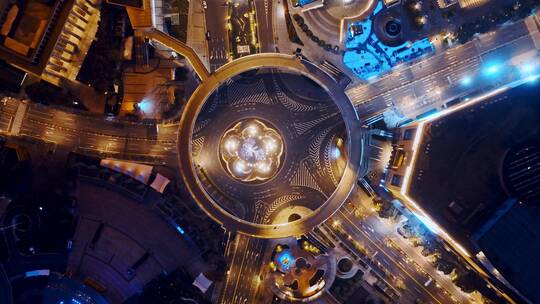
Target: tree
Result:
[445, 266]
[468, 282]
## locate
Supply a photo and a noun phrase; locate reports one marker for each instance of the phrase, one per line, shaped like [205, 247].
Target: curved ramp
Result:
[180, 48]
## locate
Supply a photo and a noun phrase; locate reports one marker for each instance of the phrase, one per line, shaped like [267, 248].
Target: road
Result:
[386, 261]
[216, 24]
[405, 262]
[424, 85]
[7, 114]
[265, 29]
[245, 262]
[382, 228]
[94, 134]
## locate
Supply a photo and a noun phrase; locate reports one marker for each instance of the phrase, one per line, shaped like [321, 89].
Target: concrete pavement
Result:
[180, 48]
[197, 30]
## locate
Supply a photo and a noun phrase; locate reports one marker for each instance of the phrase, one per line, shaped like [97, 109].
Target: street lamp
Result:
[466, 81]
[492, 69]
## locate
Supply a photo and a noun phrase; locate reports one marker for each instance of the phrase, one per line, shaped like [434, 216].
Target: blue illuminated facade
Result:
[368, 57]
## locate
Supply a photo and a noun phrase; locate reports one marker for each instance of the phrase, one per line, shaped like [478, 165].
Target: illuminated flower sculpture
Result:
[251, 151]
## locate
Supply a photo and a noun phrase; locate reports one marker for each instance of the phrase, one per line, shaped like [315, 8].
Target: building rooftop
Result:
[457, 178]
[512, 244]
[130, 3]
[29, 31]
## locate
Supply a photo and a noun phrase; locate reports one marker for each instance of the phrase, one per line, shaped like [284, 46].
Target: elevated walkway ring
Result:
[355, 147]
[179, 47]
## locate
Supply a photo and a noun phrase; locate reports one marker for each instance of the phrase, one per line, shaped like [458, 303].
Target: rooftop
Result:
[29, 30]
[513, 245]
[457, 178]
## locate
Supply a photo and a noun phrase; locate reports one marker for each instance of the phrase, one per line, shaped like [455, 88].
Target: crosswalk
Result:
[218, 53]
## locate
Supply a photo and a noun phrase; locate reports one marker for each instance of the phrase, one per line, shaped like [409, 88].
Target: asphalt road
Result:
[245, 263]
[216, 24]
[7, 114]
[398, 264]
[416, 88]
[265, 30]
[94, 134]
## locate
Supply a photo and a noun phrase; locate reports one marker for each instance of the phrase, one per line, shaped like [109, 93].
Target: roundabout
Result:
[265, 135]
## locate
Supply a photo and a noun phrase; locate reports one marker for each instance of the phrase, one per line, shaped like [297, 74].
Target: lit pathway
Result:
[180, 48]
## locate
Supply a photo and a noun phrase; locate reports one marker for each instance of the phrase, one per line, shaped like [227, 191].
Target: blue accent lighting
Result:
[528, 67]
[336, 153]
[146, 106]
[529, 71]
[467, 80]
[532, 78]
[285, 260]
[430, 225]
[492, 69]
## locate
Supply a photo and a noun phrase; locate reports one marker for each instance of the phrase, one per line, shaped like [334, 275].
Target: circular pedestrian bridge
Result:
[269, 146]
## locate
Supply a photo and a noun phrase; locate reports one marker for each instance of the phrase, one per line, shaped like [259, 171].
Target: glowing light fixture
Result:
[492, 69]
[529, 71]
[251, 151]
[528, 67]
[146, 106]
[467, 80]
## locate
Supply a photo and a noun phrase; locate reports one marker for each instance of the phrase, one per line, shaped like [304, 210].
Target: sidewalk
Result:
[310, 50]
[196, 35]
